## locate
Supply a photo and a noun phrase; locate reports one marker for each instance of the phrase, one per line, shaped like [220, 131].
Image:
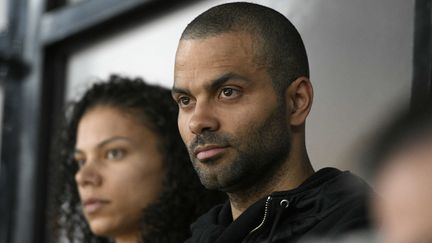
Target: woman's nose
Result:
[88, 174]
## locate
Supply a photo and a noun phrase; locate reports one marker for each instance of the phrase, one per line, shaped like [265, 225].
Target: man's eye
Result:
[184, 101]
[115, 154]
[229, 93]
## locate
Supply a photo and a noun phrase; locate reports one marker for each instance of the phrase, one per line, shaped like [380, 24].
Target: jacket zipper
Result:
[266, 209]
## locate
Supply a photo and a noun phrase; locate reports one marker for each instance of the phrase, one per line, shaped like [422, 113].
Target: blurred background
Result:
[368, 58]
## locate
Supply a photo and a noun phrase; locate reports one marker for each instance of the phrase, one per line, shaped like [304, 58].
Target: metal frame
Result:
[20, 125]
[422, 56]
[57, 26]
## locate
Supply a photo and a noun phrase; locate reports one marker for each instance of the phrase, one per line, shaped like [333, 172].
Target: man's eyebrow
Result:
[175, 90]
[215, 84]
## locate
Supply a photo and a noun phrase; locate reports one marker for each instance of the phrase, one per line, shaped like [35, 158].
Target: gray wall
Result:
[360, 55]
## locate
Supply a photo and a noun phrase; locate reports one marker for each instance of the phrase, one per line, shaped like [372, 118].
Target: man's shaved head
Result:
[281, 48]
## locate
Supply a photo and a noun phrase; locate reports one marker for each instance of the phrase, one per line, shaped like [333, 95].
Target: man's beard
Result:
[260, 151]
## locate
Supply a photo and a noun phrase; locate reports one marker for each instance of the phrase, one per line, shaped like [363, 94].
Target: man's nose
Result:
[203, 119]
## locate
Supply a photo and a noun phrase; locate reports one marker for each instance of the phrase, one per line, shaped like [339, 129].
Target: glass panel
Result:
[3, 15]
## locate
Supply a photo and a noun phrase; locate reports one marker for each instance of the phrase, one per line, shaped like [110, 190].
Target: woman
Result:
[127, 172]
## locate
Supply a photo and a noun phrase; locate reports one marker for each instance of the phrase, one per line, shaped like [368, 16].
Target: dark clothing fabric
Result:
[327, 204]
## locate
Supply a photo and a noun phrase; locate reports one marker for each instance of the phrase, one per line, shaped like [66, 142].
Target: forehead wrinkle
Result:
[236, 42]
[194, 57]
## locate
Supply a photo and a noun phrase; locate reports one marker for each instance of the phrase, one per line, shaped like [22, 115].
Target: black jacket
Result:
[327, 204]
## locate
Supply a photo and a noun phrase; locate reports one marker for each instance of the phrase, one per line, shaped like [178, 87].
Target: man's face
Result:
[235, 126]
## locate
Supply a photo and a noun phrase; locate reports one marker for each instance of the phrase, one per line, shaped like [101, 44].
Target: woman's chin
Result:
[101, 228]
[106, 228]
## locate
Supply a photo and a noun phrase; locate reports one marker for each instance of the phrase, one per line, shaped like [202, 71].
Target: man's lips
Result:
[206, 152]
[92, 205]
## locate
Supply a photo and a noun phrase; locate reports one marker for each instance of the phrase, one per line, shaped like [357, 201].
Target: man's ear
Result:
[299, 97]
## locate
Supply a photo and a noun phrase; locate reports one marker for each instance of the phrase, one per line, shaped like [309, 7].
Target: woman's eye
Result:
[115, 154]
[229, 93]
[80, 162]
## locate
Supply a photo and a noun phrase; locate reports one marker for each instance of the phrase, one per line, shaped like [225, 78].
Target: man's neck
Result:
[283, 179]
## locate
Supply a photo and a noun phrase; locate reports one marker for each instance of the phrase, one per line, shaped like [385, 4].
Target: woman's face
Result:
[120, 171]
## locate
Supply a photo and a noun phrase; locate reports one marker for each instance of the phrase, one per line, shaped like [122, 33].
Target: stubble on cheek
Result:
[213, 171]
[255, 150]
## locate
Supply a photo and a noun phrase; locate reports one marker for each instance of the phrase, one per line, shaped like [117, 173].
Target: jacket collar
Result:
[311, 202]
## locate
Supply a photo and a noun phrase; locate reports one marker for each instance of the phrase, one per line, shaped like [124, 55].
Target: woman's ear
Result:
[299, 97]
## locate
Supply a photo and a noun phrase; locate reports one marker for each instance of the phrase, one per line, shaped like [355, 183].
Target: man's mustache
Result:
[209, 138]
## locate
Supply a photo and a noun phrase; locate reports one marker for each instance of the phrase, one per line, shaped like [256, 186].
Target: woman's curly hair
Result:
[183, 198]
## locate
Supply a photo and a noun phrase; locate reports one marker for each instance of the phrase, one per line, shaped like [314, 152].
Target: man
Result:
[243, 89]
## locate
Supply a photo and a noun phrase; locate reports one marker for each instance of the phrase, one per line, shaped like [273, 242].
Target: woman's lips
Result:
[93, 205]
[207, 153]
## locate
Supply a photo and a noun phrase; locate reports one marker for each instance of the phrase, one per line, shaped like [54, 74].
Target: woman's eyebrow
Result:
[78, 151]
[112, 139]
